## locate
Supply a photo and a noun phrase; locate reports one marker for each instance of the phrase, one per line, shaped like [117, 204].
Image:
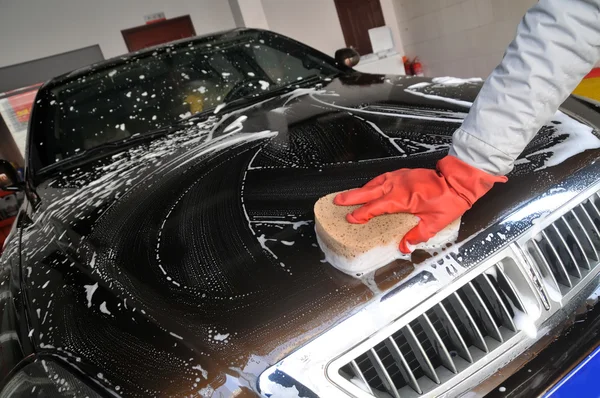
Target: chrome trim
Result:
[357, 372]
[582, 230]
[453, 332]
[541, 259]
[500, 308]
[565, 247]
[420, 354]
[570, 232]
[405, 370]
[382, 373]
[562, 269]
[483, 312]
[437, 342]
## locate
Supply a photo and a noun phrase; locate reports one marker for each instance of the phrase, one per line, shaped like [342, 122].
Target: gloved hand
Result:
[437, 197]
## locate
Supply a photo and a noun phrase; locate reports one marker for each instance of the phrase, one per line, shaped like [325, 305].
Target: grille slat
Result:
[457, 340]
[422, 358]
[509, 288]
[567, 257]
[594, 208]
[405, 370]
[577, 248]
[382, 373]
[593, 253]
[437, 343]
[466, 319]
[482, 312]
[358, 373]
[587, 219]
[496, 301]
[539, 256]
[557, 264]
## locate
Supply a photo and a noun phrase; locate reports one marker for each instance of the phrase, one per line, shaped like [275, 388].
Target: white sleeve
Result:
[557, 44]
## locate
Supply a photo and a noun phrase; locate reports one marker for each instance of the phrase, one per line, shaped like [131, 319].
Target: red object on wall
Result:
[156, 20]
[407, 66]
[417, 67]
[158, 33]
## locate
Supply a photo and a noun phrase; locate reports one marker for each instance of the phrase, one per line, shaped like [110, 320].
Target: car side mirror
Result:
[347, 56]
[9, 178]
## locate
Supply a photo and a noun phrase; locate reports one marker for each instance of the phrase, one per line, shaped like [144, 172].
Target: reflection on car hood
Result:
[190, 264]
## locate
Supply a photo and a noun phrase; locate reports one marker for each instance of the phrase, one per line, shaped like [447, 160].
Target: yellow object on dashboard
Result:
[195, 102]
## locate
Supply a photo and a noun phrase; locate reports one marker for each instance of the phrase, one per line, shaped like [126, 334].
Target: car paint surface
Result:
[187, 265]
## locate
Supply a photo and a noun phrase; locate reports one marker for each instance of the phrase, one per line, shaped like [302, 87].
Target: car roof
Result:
[121, 59]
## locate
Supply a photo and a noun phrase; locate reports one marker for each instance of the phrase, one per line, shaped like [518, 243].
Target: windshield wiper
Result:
[108, 147]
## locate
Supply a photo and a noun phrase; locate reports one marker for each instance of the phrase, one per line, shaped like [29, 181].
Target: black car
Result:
[166, 245]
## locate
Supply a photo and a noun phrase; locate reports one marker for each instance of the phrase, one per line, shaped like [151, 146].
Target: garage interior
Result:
[313, 117]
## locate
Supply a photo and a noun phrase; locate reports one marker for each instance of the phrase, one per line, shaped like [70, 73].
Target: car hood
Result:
[189, 263]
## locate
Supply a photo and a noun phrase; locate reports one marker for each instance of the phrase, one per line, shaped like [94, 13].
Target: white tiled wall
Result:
[460, 38]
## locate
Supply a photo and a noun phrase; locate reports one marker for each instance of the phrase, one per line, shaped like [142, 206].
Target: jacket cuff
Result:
[477, 153]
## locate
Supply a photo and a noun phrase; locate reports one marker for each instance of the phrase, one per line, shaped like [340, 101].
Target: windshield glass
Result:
[157, 89]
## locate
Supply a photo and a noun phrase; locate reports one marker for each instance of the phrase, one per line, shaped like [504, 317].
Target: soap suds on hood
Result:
[276, 390]
[89, 293]
[440, 98]
[579, 139]
[455, 81]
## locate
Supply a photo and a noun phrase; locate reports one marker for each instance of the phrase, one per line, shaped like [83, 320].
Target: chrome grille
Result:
[568, 249]
[447, 338]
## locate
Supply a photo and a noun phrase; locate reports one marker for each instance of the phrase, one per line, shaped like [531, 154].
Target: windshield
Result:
[157, 89]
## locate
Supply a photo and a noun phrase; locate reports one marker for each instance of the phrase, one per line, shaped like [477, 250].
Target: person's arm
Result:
[557, 44]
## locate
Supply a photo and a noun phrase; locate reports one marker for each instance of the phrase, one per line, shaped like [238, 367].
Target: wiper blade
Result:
[278, 91]
[109, 147]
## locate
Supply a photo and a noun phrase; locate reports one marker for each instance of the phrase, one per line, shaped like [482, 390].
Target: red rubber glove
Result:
[437, 197]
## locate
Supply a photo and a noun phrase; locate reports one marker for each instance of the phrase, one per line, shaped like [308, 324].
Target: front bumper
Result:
[562, 350]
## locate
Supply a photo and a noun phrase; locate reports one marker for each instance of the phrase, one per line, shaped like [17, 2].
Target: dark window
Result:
[157, 89]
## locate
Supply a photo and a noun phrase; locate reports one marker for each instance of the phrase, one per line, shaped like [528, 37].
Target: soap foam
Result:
[380, 256]
[455, 81]
[365, 262]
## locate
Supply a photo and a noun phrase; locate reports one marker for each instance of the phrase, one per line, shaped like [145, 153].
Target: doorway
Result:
[158, 33]
[356, 18]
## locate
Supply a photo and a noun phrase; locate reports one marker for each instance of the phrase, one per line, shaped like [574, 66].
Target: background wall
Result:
[390, 16]
[252, 12]
[31, 29]
[314, 22]
[460, 38]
